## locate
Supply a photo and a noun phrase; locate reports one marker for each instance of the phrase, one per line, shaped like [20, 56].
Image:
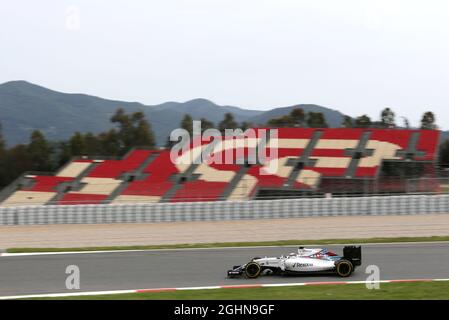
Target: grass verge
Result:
[387, 291]
[236, 244]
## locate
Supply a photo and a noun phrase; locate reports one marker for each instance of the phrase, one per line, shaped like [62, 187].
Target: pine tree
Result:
[110, 143]
[387, 118]
[143, 136]
[406, 123]
[347, 122]
[124, 128]
[19, 161]
[316, 120]
[363, 122]
[297, 117]
[39, 152]
[206, 124]
[227, 123]
[133, 130]
[245, 125]
[77, 145]
[65, 154]
[92, 144]
[428, 121]
[281, 122]
[187, 124]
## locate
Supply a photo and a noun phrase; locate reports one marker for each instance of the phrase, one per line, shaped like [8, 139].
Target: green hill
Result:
[25, 107]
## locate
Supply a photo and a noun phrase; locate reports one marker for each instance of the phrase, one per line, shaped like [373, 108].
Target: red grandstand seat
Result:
[79, 198]
[47, 183]
[114, 168]
[157, 183]
[199, 191]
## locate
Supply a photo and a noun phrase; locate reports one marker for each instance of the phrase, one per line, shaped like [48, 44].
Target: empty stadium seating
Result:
[297, 159]
[154, 181]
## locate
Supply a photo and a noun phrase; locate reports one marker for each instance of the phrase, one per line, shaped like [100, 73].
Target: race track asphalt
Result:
[20, 275]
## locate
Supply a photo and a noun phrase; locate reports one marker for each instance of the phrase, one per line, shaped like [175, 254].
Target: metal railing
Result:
[224, 210]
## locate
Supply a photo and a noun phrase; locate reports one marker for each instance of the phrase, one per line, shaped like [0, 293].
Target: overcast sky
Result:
[352, 55]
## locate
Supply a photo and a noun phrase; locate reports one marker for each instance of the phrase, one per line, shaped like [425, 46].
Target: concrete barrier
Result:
[223, 210]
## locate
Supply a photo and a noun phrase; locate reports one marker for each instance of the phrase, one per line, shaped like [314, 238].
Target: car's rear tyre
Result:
[253, 270]
[344, 268]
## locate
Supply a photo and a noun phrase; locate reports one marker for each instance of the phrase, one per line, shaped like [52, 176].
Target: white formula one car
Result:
[306, 261]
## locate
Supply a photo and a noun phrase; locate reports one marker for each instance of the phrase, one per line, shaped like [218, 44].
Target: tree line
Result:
[130, 130]
[134, 130]
[298, 118]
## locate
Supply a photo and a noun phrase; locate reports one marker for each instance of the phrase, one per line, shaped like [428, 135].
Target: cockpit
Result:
[317, 253]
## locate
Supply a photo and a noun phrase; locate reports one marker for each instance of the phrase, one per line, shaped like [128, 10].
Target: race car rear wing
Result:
[353, 254]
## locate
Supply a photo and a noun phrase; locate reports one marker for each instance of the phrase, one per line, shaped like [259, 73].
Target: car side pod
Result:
[353, 254]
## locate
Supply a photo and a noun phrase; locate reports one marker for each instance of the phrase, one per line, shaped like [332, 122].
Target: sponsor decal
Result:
[302, 265]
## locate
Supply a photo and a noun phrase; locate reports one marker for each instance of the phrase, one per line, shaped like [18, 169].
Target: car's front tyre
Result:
[253, 270]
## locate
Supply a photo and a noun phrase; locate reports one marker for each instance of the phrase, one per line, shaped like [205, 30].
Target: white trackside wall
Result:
[224, 210]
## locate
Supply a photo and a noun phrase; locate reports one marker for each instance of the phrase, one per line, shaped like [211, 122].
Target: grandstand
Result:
[308, 162]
